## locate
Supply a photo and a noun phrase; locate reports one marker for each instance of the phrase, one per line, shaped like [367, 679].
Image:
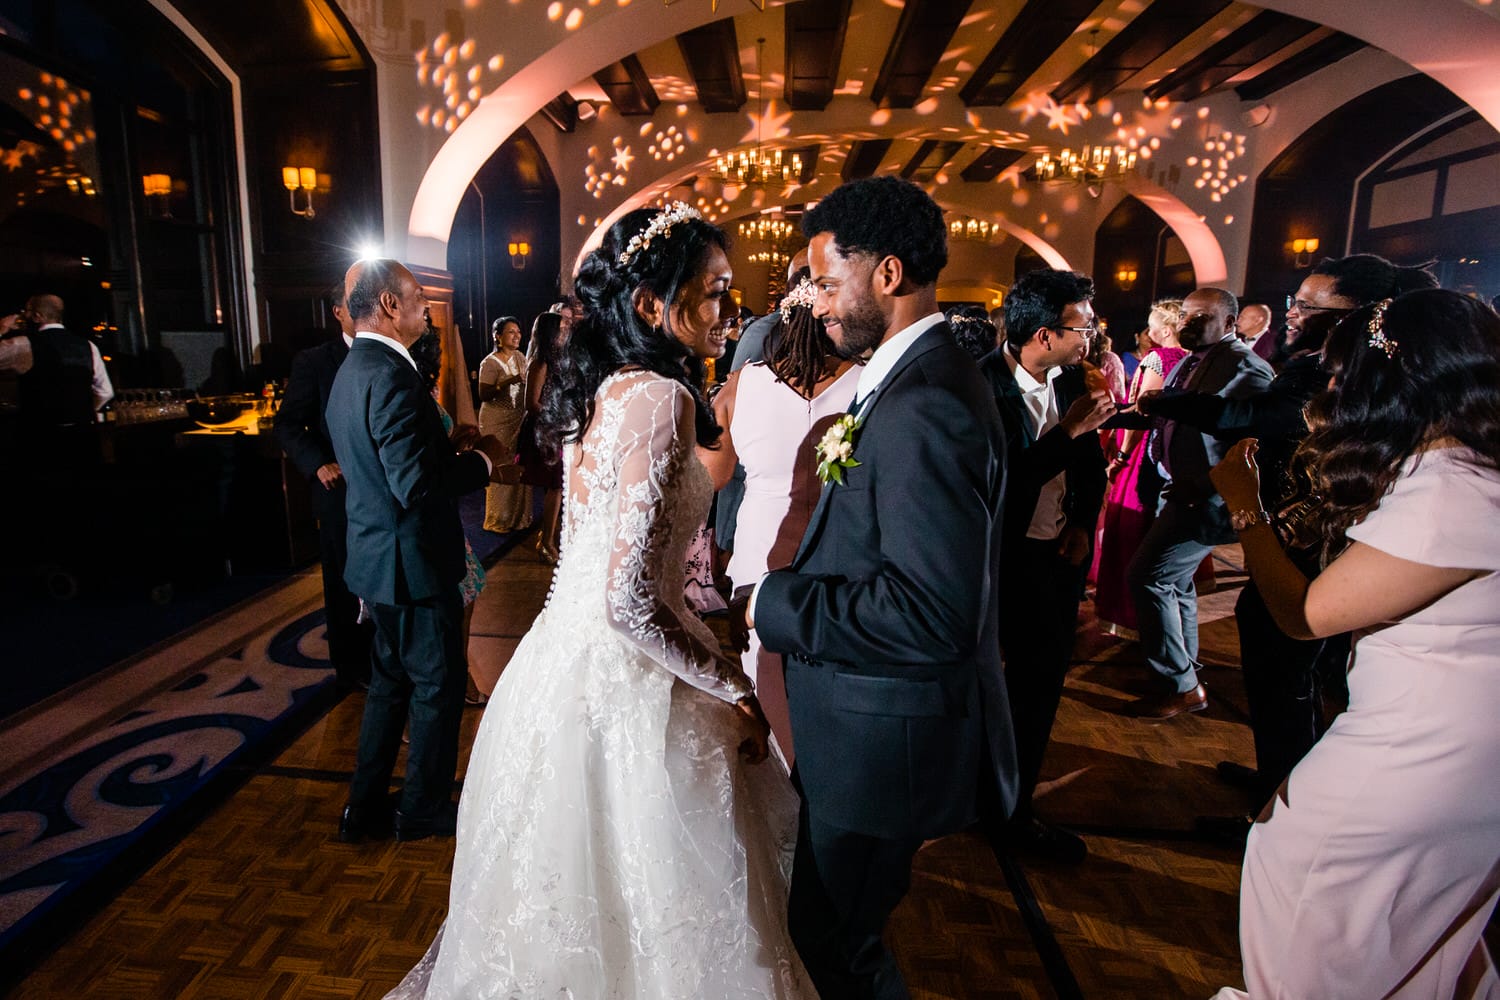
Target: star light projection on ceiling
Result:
[52, 136]
[1169, 139]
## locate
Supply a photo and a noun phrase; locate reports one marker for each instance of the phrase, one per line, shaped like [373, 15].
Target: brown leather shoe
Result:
[1165, 706]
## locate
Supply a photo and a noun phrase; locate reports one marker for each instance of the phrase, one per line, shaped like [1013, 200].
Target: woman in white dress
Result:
[773, 414]
[1375, 867]
[616, 838]
[502, 405]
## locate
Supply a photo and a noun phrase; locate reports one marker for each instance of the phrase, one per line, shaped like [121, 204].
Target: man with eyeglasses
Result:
[1053, 490]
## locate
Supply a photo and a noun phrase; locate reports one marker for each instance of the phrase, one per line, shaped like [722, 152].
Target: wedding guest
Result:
[1130, 505]
[406, 556]
[542, 467]
[1108, 366]
[973, 330]
[1255, 329]
[301, 429]
[427, 354]
[1191, 519]
[773, 413]
[1054, 485]
[1375, 868]
[614, 838]
[502, 407]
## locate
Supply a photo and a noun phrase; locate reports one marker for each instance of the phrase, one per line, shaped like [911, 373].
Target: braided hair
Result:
[798, 346]
[612, 335]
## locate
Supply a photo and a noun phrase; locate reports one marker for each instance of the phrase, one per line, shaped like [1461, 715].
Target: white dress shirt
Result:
[1047, 519]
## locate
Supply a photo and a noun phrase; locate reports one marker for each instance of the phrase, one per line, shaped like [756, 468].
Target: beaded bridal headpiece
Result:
[805, 294]
[660, 225]
[1378, 339]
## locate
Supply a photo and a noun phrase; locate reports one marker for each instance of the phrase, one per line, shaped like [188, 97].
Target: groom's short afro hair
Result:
[884, 216]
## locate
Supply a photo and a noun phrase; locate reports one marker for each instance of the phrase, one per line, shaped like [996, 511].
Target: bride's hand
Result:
[755, 747]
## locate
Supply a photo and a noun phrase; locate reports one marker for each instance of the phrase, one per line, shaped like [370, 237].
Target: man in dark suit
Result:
[1192, 518]
[406, 554]
[302, 432]
[888, 615]
[1054, 487]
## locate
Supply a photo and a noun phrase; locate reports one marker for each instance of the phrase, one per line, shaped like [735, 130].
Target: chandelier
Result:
[977, 230]
[1091, 166]
[776, 258]
[758, 167]
[767, 230]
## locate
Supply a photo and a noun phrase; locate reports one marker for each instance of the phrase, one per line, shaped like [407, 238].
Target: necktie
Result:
[1158, 447]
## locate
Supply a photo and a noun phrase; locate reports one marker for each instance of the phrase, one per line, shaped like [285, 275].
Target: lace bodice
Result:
[636, 492]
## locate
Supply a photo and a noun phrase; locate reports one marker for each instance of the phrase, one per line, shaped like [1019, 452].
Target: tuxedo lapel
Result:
[926, 342]
[1013, 410]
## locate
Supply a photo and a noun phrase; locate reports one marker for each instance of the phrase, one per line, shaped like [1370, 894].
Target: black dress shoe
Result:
[1043, 840]
[444, 824]
[366, 822]
[1228, 830]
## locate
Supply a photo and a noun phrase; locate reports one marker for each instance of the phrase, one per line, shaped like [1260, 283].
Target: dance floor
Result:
[258, 899]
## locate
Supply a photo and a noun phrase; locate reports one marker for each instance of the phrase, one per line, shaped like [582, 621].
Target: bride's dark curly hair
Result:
[612, 335]
[1440, 382]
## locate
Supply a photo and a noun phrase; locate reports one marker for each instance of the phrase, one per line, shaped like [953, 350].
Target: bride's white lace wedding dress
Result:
[611, 841]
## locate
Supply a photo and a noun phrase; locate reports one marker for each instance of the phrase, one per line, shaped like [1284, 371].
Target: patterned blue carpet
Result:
[94, 807]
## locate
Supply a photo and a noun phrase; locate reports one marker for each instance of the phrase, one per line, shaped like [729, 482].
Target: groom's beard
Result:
[860, 330]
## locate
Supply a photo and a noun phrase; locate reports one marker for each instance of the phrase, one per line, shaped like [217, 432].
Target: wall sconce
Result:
[304, 179]
[1125, 278]
[1302, 251]
[520, 252]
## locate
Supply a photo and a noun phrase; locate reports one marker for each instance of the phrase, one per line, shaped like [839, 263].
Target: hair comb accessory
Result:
[660, 225]
[1377, 330]
[805, 294]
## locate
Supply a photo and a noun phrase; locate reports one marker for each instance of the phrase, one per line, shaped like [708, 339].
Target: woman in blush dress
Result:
[773, 414]
[1130, 505]
[502, 406]
[619, 836]
[1374, 869]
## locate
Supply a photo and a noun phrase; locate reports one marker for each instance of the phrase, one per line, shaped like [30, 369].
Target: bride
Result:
[615, 838]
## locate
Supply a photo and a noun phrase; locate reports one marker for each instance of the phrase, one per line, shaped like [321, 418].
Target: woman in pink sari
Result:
[1127, 513]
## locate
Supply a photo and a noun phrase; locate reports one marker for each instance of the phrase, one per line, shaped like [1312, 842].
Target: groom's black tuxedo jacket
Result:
[889, 613]
[406, 542]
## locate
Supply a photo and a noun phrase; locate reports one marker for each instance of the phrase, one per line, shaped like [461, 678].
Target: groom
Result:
[888, 614]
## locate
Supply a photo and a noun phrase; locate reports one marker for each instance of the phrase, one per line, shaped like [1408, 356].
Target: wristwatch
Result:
[1239, 520]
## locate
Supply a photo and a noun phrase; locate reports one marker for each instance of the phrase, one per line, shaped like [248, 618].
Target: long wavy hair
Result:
[1440, 381]
[798, 346]
[612, 335]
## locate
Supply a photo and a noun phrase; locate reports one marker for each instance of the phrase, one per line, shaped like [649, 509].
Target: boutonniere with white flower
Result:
[836, 449]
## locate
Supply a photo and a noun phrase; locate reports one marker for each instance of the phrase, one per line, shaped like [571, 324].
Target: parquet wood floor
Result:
[260, 900]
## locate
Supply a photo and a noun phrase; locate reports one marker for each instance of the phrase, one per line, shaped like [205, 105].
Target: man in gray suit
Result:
[1192, 518]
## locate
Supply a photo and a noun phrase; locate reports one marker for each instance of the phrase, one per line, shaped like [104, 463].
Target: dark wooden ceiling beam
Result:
[864, 156]
[712, 54]
[931, 156]
[1140, 43]
[809, 156]
[1259, 38]
[991, 163]
[814, 45]
[562, 111]
[922, 35]
[1311, 59]
[1033, 35]
[628, 87]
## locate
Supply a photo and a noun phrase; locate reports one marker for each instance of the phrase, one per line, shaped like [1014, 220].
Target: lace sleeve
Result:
[656, 439]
